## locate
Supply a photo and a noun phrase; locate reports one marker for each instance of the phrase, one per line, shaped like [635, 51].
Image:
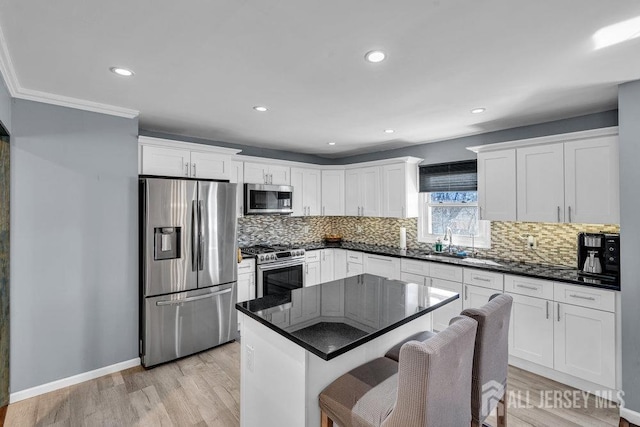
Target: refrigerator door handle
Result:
[194, 236]
[200, 237]
[199, 297]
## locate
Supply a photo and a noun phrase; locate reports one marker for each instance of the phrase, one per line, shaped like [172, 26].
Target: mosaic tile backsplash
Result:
[557, 243]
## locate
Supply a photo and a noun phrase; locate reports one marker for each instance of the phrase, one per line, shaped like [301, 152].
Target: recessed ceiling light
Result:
[121, 71]
[375, 56]
[478, 110]
[331, 143]
[389, 131]
[260, 108]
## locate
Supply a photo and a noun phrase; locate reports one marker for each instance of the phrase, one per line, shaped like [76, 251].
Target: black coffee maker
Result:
[599, 254]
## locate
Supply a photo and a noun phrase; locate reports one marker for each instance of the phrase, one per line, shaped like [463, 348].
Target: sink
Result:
[480, 261]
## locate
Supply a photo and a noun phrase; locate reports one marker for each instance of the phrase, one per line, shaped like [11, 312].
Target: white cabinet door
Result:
[297, 182]
[370, 191]
[382, 266]
[414, 278]
[592, 190]
[476, 296]
[531, 330]
[540, 183]
[209, 165]
[352, 192]
[165, 161]
[394, 193]
[255, 173]
[312, 185]
[236, 175]
[442, 315]
[246, 287]
[340, 264]
[584, 344]
[305, 305]
[354, 268]
[312, 274]
[333, 192]
[497, 185]
[327, 265]
[279, 175]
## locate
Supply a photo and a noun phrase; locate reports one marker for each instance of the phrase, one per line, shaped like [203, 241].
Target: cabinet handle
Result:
[581, 297]
[307, 268]
[482, 279]
[193, 165]
[402, 216]
[532, 288]
[431, 281]
[569, 213]
[558, 213]
[270, 178]
[558, 312]
[323, 256]
[186, 168]
[323, 210]
[479, 212]
[347, 268]
[466, 292]
[547, 302]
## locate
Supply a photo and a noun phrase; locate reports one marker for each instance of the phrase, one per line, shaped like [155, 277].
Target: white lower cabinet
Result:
[476, 296]
[354, 263]
[340, 264]
[415, 278]
[584, 344]
[312, 274]
[382, 266]
[442, 315]
[246, 281]
[531, 329]
[327, 265]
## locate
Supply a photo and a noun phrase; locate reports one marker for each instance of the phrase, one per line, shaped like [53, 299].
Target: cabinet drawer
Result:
[415, 267]
[484, 279]
[585, 297]
[247, 266]
[446, 272]
[354, 257]
[527, 286]
[312, 256]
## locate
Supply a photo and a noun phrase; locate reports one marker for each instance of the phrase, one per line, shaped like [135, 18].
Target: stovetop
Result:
[274, 253]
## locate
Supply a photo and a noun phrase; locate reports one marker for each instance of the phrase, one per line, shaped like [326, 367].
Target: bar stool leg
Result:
[325, 421]
[502, 410]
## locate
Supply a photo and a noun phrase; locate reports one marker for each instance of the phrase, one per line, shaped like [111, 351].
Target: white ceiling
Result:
[201, 65]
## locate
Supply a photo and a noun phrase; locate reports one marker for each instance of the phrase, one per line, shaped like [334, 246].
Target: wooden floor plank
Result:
[204, 390]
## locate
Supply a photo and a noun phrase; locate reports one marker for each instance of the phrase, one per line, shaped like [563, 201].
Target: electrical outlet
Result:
[358, 229]
[250, 358]
[305, 229]
[531, 242]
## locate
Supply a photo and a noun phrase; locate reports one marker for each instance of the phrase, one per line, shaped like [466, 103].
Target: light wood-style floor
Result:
[204, 390]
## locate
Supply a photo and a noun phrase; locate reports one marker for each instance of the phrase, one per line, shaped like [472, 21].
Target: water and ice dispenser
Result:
[167, 243]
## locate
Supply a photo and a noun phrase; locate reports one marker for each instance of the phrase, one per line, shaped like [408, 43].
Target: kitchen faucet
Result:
[448, 237]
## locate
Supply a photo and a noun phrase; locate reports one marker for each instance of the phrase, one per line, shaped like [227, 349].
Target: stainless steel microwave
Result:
[268, 199]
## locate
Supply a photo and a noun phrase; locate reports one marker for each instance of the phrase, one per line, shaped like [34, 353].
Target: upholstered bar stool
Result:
[430, 386]
[490, 359]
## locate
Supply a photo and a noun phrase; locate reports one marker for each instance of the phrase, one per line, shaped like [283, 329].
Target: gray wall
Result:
[74, 259]
[629, 109]
[455, 149]
[246, 149]
[5, 105]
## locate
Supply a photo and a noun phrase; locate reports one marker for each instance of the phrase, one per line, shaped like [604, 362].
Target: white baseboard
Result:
[629, 415]
[69, 381]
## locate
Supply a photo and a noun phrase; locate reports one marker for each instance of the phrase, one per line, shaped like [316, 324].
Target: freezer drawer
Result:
[184, 323]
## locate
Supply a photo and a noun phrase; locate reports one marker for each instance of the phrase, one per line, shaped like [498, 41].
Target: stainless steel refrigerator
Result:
[188, 250]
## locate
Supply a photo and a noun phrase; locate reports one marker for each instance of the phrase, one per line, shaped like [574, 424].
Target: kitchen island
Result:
[295, 344]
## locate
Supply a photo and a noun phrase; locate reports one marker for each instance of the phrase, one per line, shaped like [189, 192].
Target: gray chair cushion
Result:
[491, 356]
[394, 352]
[342, 400]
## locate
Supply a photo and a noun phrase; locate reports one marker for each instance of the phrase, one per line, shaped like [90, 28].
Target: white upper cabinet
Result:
[362, 190]
[497, 185]
[332, 193]
[263, 173]
[592, 190]
[306, 191]
[540, 183]
[182, 159]
[400, 190]
[237, 176]
[561, 178]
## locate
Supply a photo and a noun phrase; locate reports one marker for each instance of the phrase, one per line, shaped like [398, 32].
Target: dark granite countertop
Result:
[540, 271]
[334, 317]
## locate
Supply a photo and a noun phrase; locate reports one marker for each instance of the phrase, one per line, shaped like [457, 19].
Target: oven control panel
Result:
[280, 256]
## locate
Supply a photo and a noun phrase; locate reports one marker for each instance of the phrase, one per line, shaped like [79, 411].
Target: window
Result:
[457, 210]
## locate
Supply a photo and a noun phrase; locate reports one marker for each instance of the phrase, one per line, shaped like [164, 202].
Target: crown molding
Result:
[17, 91]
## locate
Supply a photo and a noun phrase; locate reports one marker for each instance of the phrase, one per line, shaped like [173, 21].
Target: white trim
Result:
[629, 415]
[191, 146]
[17, 91]
[563, 137]
[69, 381]
[395, 160]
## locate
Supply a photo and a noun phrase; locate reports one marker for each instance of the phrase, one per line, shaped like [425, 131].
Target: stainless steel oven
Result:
[268, 199]
[279, 269]
[280, 277]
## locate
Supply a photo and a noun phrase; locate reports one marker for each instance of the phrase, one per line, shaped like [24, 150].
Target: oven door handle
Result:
[274, 265]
